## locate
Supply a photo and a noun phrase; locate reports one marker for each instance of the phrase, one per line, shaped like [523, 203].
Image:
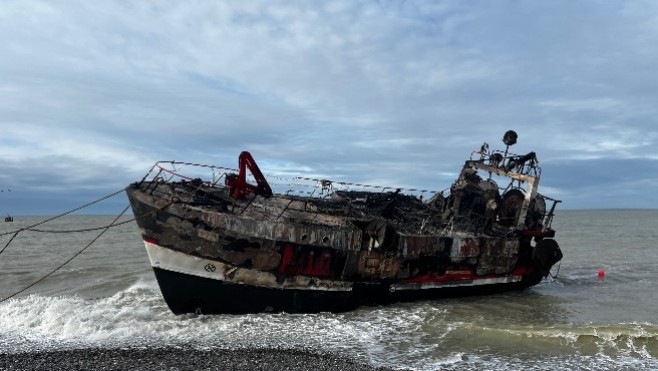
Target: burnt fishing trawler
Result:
[230, 244]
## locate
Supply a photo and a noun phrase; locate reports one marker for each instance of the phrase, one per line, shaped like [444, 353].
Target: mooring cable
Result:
[554, 277]
[69, 260]
[63, 214]
[11, 239]
[105, 229]
[16, 232]
[85, 229]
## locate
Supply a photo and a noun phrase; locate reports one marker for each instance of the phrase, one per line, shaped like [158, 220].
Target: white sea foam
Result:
[420, 337]
[138, 316]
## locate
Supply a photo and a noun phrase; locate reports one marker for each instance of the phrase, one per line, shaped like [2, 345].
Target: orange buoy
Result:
[601, 273]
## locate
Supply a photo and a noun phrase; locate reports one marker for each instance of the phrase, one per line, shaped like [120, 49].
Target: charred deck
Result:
[239, 247]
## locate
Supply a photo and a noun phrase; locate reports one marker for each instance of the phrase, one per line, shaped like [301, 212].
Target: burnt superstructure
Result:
[231, 244]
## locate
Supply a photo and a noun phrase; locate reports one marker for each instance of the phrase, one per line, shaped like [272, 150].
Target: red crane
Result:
[238, 184]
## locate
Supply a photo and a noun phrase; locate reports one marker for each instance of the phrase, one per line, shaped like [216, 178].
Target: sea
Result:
[599, 311]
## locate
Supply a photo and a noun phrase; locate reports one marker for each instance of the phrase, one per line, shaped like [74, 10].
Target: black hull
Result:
[185, 293]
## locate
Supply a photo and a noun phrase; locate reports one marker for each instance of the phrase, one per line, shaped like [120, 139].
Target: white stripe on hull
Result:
[179, 262]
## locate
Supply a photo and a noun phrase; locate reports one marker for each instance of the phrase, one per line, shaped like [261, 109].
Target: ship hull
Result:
[191, 284]
[185, 293]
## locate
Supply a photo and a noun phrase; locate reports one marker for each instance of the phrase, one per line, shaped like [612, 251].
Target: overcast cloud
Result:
[385, 92]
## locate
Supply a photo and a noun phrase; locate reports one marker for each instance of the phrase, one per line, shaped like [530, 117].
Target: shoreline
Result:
[176, 358]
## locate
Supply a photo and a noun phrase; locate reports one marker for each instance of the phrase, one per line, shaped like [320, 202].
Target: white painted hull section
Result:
[179, 262]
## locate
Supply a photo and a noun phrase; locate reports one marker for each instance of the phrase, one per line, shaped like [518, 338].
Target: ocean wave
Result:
[637, 340]
[421, 336]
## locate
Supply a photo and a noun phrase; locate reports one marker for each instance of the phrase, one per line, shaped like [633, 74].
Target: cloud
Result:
[379, 91]
[609, 183]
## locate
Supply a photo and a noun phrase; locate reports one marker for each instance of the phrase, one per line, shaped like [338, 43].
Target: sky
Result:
[379, 92]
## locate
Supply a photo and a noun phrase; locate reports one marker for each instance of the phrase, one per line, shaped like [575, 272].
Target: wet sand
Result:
[179, 359]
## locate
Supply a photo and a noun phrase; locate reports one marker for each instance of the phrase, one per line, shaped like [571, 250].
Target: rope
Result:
[60, 215]
[69, 260]
[554, 277]
[16, 232]
[11, 239]
[86, 229]
[105, 229]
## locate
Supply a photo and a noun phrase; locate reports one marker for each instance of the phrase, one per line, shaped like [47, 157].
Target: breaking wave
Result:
[422, 336]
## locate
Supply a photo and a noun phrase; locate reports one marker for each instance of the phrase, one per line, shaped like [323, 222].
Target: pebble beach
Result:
[179, 359]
